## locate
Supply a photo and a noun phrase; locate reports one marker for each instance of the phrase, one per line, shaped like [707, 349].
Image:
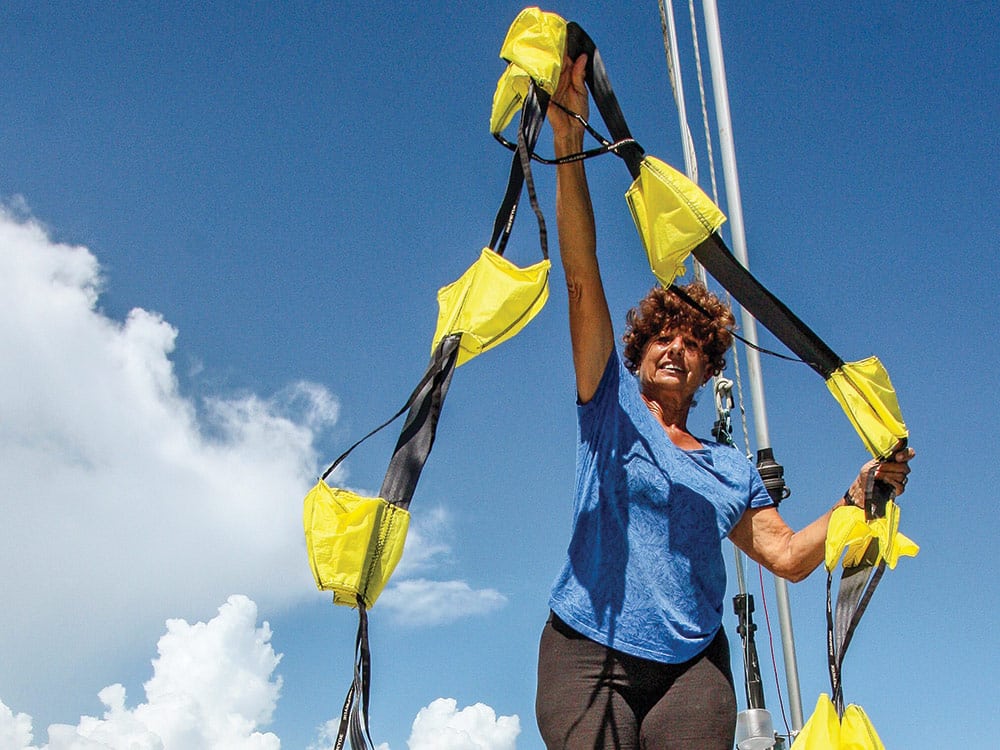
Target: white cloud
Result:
[423, 602]
[211, 687]
[426, 542]
[125, 502]
[15, 729]
[441, 726]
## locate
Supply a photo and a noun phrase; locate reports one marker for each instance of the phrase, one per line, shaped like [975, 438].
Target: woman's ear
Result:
[710, 372]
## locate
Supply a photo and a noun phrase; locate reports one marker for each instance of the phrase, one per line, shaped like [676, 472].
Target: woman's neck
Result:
[672, 417]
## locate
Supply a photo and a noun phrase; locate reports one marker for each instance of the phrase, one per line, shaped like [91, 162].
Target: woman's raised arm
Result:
[591, 331]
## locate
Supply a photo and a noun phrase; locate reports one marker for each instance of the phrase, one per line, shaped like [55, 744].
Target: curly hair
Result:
[663, 310]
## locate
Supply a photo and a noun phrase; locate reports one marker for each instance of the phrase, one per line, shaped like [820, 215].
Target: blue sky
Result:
[222, 234]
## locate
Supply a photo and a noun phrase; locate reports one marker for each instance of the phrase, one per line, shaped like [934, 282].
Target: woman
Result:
[633, 654]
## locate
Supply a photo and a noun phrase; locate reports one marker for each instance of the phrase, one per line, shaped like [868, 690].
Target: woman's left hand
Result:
[894, 472]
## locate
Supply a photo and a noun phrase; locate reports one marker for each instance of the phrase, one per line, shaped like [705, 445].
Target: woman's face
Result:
[674, 363]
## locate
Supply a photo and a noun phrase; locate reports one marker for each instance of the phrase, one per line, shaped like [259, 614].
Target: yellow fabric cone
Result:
[822, 730]
[672, 215]
[491, 302]
[534, 47]
[510, 92]
[857, 732]
[826, 731]
[354, 543]
[891, 544]
[866, 395]
[849, 529]
[536, 43]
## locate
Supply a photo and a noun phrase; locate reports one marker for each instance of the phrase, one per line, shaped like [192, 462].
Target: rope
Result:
[677, 86]
[704, 106]
[715, 196]
[669, 34]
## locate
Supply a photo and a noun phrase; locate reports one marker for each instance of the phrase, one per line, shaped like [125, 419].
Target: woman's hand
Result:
[571, 93]
[893, 472]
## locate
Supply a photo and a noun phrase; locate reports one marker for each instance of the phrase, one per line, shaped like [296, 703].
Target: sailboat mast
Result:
[755, 376]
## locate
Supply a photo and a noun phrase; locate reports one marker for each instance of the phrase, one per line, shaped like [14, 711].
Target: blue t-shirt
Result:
[645, 573]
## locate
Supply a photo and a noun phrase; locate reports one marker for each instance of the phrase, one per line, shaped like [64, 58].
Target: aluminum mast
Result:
[755, 376]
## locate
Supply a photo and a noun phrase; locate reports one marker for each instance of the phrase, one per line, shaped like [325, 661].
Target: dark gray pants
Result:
[590, 696]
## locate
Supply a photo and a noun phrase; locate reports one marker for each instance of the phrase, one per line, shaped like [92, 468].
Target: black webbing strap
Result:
[354, 714]
[429, 374]
[857, 585]
[417, 436]
[530, 126]
[412, 450]
[579, 43]
[691, 302]
[770, 311]
[524, 155]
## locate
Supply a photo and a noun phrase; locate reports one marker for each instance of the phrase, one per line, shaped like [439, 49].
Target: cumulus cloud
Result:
[427, 546]
[442, 726]
[423, 602]
[15, 729]
[124, 501]
[212, 687]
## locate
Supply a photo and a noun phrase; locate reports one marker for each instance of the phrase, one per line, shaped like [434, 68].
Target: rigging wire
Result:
[722, 387]
[677, 87]
[704, 108]
[774, 661]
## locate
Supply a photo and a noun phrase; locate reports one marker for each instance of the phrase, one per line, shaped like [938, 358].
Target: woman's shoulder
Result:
[614, 376]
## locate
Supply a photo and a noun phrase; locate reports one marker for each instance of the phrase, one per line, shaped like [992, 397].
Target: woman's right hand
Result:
[571, 93]
[894, 472]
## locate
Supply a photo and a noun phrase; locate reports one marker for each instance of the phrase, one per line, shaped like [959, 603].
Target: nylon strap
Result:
[425, 382]
[424, 404]
[417, 436]
[772, 313]
[857, 585]
[530, 126]
[578, 43]
[354, 714]
[524, 155]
